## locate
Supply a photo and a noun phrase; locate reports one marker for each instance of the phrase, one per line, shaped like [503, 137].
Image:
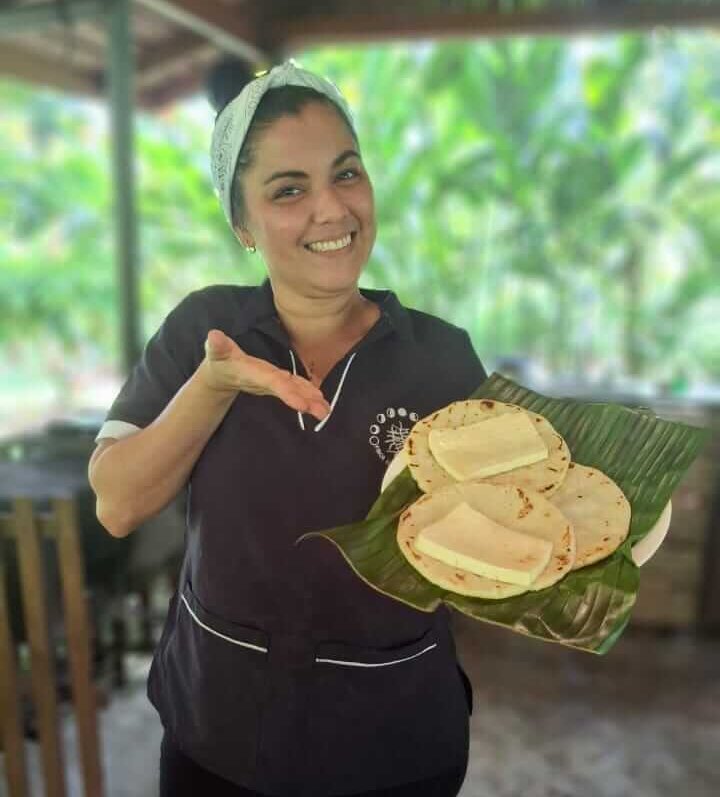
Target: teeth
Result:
[328, 246]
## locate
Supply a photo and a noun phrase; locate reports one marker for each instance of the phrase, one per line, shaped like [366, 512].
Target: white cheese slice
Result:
[498, 444]
[470, 540]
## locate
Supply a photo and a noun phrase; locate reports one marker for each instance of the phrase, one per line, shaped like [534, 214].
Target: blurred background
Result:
[546, 175]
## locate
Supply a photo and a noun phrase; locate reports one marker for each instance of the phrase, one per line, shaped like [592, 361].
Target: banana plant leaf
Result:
[589, 608]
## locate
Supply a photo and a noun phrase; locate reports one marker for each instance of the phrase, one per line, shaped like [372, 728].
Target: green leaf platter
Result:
[589, 608]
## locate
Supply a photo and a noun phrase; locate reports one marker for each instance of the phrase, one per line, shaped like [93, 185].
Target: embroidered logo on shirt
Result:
[389, 430]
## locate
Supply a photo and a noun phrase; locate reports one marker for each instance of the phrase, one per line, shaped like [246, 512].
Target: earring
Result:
[240, 237]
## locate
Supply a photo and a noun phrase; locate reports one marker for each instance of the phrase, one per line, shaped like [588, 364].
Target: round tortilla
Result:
[598, 509]
[521, 510]
[544, 477]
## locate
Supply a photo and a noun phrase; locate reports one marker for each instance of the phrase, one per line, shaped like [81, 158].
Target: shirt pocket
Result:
[215, 678]
[385, 716]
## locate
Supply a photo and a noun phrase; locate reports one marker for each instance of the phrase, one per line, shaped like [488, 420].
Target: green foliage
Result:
[556, 198]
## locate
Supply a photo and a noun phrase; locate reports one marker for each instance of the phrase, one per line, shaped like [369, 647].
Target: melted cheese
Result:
[470, 540]
[495, 445]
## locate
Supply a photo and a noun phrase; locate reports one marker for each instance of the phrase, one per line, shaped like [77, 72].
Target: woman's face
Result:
[328, 196]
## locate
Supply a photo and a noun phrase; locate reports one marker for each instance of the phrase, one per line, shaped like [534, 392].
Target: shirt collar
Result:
[259, 312]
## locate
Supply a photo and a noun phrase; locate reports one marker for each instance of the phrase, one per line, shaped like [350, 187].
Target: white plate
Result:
[642, 550]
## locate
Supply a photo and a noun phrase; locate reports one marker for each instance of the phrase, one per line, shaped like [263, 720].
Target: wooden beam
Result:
[30, 18]
[402, 21]
[232, 29]
[156, 65]
[30, 66]
[158, 97]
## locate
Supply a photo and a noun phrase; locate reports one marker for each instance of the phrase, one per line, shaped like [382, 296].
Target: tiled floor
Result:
[643, 721]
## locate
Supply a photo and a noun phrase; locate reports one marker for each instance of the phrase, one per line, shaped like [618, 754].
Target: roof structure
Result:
[63, 43]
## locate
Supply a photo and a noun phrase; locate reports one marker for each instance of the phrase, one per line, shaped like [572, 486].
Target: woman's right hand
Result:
[228, 368]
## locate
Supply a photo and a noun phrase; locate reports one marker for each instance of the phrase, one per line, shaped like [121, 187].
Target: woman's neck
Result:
[314, 322]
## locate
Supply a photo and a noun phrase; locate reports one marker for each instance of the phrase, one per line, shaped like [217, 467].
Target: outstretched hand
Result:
[228, 368]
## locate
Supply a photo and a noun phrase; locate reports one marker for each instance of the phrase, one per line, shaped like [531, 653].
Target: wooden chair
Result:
[27, 528]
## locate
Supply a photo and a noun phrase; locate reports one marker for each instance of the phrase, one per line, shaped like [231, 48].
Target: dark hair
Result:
[225, 81]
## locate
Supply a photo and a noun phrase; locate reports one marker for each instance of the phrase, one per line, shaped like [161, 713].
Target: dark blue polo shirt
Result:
[278, 668]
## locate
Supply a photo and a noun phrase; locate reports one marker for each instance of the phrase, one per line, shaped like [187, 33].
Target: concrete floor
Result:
[642, 721]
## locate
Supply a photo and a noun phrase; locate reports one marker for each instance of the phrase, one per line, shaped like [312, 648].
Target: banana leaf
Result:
[589, 608]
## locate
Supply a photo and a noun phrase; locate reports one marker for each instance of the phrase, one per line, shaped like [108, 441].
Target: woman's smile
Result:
[335, 248]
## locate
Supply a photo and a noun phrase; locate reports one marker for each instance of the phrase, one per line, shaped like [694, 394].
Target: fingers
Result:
[296, 391]
[302, 395]
[320, 409]
[313, 401]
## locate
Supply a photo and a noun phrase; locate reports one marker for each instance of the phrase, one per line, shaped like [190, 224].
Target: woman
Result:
[279, 671]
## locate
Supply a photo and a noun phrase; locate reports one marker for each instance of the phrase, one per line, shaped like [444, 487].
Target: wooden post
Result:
[11, 730]
[42, 663]
[77, 630]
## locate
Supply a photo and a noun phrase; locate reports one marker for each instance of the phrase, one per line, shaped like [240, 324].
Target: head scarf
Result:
[234, 120]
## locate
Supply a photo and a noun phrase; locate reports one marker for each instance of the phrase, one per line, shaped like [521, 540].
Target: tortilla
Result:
[522, 510]
[544, 477]
[598, 509]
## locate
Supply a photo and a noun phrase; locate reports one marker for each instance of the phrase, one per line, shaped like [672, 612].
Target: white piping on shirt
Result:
[217, 633]
[378, 664]
[343, 662]
[117, 429]
[335, 398]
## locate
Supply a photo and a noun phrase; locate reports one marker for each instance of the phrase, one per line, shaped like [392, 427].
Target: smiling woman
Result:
[325, 206]
[279, 672]
[299, 193]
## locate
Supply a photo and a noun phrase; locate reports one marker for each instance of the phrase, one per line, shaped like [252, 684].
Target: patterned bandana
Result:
[232, 123]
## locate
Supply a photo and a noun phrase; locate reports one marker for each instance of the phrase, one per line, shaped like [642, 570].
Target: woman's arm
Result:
[137, 476]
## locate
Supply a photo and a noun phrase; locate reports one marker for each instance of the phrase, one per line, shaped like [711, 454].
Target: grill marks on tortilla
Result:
[527, 504]
[544, 477]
